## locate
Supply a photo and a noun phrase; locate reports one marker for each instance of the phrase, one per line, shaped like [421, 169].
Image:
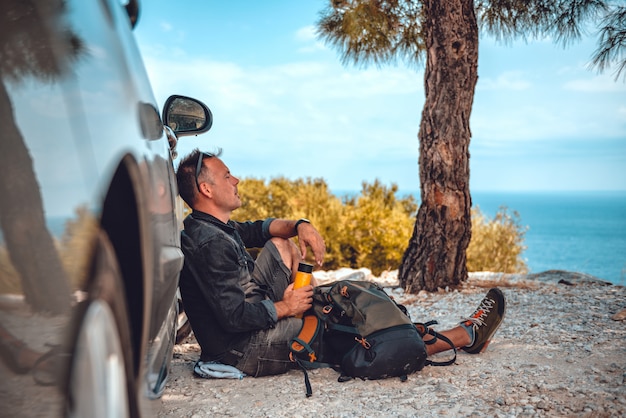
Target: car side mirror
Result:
[186, 116]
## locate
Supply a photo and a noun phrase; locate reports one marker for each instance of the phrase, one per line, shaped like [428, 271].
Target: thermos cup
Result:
[303, 277]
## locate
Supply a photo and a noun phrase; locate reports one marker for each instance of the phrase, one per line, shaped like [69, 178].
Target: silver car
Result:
[89, 226]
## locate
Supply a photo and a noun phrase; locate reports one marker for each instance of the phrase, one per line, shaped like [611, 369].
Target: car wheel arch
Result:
[125, 209]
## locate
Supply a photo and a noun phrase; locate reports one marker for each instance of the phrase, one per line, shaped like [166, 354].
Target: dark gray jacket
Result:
[215, 280]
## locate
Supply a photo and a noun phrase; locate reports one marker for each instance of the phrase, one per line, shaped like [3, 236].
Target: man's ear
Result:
[205, 190]
[208, 191]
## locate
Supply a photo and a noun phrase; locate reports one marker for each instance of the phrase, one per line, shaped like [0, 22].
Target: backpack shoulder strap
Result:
[302, 344]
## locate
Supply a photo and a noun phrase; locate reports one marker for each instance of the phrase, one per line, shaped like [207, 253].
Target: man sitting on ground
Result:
[243, 311]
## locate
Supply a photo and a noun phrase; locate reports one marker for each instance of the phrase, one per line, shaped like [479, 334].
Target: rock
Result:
[620, 316]
[568, 278]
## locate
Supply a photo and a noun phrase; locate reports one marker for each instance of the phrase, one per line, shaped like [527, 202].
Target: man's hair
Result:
[186, 174]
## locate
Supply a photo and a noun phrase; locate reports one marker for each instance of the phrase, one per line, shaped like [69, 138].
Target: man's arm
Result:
[306, 233]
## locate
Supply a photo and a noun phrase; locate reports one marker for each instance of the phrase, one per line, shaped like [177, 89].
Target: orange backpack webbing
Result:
[306, 348]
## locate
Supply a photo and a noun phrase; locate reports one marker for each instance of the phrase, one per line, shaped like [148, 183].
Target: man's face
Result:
[224, 185]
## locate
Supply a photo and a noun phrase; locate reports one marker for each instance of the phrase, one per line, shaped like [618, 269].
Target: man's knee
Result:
[287, 249]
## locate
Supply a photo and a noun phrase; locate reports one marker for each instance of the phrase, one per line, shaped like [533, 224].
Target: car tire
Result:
[100, 377]
[183, 327]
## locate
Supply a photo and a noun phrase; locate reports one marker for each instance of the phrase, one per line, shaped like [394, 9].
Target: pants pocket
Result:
[268, 367]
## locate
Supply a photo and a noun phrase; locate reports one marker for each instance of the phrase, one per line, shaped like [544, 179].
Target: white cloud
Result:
[544, 120]
[341, 117]
[568, 70]
[306, 34]
[510, 80]
[309, 49]
[318, 118]
[602, 83]
[305, 81]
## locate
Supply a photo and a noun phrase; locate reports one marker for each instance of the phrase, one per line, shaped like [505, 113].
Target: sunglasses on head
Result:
[199, 166]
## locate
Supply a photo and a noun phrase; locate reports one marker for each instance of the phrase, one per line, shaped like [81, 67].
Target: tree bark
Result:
[436, 255]
[29, 243]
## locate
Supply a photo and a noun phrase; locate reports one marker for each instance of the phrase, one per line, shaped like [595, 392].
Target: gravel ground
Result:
[561, 351]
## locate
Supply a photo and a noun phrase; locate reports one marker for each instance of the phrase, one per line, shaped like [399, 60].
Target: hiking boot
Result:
[485, 320]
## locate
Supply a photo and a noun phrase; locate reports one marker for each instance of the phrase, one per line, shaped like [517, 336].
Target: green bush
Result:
[370, 230]
[79, 235]
[378, 227]
[497, 244]
[373, 229]
[283, 198]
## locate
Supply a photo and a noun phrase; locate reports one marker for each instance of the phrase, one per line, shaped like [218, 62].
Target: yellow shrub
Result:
[371, 230]
[497, 244]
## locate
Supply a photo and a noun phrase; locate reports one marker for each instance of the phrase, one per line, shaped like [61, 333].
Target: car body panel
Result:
[76, 110]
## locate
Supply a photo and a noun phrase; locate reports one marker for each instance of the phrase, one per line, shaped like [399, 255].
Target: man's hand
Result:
[295, 301]
[308, 236]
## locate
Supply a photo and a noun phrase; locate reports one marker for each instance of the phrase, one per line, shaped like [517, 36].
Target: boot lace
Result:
[478, 317]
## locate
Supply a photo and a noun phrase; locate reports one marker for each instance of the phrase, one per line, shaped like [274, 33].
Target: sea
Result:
[575, 231]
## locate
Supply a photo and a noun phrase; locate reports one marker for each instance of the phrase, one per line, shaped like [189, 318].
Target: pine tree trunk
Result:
[29, 243]
[436, 256]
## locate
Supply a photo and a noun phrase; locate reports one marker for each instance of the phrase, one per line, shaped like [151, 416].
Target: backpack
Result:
[356, 328]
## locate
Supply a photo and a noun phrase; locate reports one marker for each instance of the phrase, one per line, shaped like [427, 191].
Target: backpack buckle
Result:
[363, 342]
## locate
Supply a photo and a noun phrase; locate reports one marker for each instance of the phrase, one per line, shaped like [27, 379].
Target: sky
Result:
[284, 104]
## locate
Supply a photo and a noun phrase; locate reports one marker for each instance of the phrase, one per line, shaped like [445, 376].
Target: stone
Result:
[620, 316]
